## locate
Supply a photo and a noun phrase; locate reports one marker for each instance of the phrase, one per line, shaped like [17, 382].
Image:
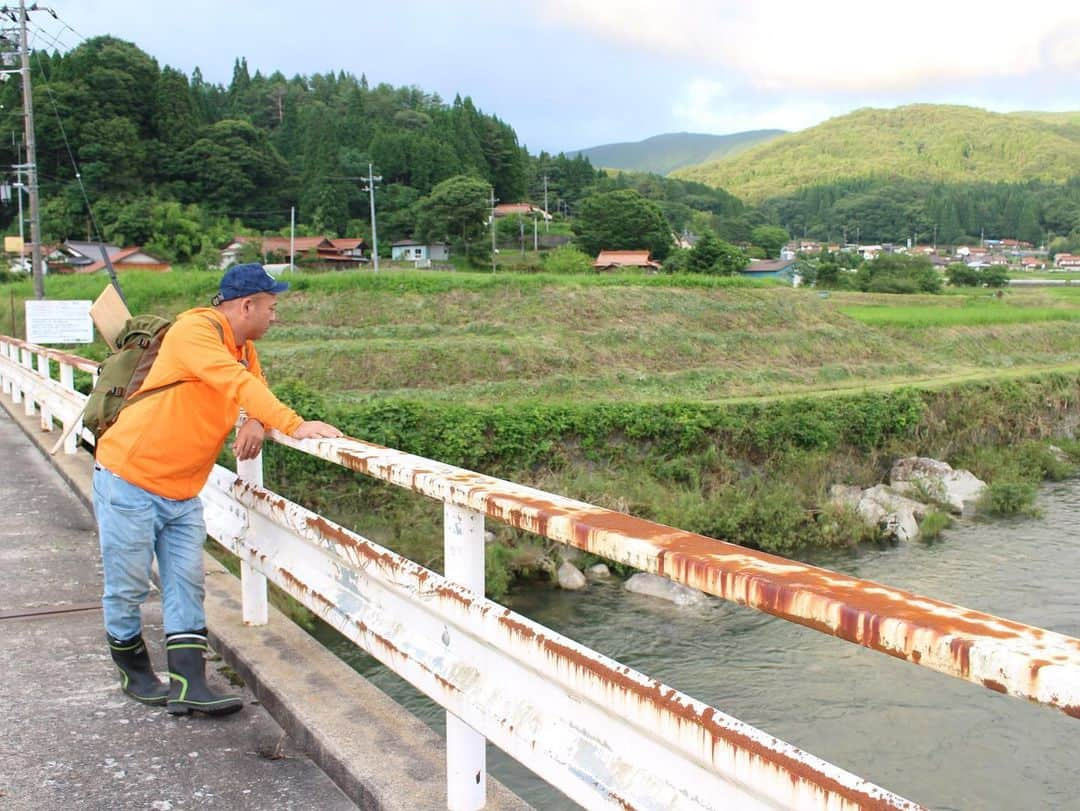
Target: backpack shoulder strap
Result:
[139, 395]
[221, 335]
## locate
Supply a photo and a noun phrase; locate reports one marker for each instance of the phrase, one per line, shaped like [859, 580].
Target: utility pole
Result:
[292, 238]
[536, 240]
[31, 158]
[19, 189]
[547, 219]
[372, 179]
[492, 229]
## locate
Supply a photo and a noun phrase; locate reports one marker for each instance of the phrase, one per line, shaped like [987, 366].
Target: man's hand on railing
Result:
[316, 429]
[249, 440]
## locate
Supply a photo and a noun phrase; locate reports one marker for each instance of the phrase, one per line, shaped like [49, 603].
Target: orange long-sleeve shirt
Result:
[167, 442]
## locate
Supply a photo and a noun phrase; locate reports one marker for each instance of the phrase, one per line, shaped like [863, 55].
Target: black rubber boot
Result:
[188, 689]
[137, 677]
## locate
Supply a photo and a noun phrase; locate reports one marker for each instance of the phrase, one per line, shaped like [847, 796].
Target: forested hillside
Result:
[665, 153]
[880, 210]
[925, 142]
[179, 163]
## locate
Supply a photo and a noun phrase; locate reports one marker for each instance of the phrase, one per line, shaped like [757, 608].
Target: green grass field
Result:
[972, 313]
[511, 337]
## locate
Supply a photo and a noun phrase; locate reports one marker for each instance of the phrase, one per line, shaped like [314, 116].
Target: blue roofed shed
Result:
[783, 269]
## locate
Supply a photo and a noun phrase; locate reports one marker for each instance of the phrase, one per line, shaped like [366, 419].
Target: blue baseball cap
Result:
[247, 280]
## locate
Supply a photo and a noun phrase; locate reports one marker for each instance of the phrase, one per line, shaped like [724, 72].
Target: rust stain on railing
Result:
[1002, 655]
[711, 736]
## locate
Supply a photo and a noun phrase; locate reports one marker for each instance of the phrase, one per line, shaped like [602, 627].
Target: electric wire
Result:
[67, 146]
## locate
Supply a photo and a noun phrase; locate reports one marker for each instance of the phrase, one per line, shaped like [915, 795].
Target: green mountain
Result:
[928, 142]
[665, 153]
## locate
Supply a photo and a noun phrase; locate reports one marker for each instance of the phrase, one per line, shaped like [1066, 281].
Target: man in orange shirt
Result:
[153, 462]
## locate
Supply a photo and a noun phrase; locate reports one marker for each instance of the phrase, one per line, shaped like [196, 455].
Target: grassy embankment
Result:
[718, 406]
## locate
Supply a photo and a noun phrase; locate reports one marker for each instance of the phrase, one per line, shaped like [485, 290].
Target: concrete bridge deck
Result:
[70, 739]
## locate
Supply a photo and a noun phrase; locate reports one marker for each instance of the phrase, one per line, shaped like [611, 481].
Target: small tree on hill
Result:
[995, 276]
[566, 259]
[622, 220]
[960, 275]
[712, 255]
[770, 238]
[899, 273]
[456, 210]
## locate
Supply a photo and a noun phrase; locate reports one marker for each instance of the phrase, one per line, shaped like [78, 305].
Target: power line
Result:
[67, 146]
[53, 39]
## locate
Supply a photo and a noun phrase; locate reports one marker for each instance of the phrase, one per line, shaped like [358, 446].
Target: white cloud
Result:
[841, 45]
[705, 106]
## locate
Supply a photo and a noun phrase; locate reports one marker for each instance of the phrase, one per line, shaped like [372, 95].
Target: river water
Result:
[934, 739]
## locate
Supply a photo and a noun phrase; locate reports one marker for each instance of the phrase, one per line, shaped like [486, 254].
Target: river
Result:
[937, 740]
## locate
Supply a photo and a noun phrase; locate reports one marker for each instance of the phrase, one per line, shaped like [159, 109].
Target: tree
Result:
[456, 210]
[712, 255]
[995, 276]
[566, 259]
[771, 238]
[622, 220]
[960, 275]
[899, 273]
[233, 168]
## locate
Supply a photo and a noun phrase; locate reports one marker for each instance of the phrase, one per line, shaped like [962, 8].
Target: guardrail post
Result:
[5, 378]
[16, 385]
[466, 770]
[256, 610]
[26, 393]
[46, 372]
[67, 380]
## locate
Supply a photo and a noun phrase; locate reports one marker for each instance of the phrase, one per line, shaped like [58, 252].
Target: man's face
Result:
[260, 311]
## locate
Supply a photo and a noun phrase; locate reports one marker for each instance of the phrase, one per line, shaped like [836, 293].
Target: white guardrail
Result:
[602, 733]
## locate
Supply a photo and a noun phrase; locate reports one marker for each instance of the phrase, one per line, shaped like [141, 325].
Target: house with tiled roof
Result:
[86, 257]
[349, 246]
[524, 209]
[134, 258]
[617, 260]
[344, 252]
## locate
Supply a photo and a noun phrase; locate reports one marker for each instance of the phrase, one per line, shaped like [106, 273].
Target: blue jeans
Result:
[133, 526]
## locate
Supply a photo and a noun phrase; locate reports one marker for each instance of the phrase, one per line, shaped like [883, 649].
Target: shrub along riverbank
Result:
[756, 473]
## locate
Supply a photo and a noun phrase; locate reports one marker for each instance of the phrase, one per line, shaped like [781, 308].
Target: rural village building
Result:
[772, 269]
[409, 250]
[345, 252]
[86, 257]
[616, 260]
[524, 209]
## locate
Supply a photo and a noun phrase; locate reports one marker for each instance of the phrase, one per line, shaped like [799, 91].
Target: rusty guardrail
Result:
[1003, 655]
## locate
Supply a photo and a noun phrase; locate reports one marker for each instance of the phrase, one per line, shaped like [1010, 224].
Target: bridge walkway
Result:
[68, 737]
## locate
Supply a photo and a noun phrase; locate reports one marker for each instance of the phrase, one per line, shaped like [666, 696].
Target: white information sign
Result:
[59, 322]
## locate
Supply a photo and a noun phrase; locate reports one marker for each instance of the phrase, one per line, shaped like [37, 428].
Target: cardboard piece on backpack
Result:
[109, 315]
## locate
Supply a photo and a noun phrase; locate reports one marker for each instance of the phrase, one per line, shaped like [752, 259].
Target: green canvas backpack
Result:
[122, 373]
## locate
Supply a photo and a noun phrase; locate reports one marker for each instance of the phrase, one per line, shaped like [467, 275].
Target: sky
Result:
[570, 74]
